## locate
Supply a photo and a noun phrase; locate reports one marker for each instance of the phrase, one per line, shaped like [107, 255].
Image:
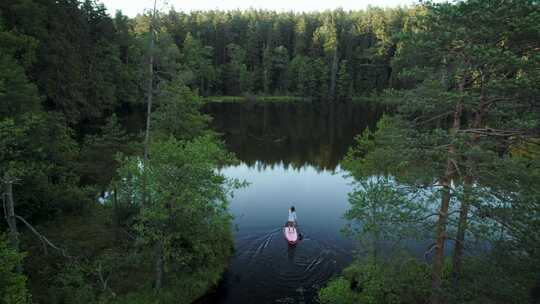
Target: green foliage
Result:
[294, 72]
[74, 286]
[465, 94]
[90, 71]
[99, 262]
[326, 37]
[86, 73]
[235, 74]
[183, 184]
[344, 82]
[198, 60]
[12, 284]
[391, 150]
[178, 113]
[40, 152]
[338, 291]
[270, 40]
[17, 94]
[313, 79]
[66, 66]
[187, 211]
[280, 62]
[382, 214]
[497, 275]
[97, 164]
[402, 279]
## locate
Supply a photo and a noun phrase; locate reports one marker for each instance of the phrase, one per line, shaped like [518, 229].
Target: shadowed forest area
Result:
[115, 133]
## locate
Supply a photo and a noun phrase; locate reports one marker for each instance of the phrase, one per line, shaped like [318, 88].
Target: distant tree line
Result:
[332, 54]
[87, 63]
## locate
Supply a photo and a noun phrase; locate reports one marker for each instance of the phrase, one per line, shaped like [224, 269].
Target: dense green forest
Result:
[67, 68]
[455, 160]
[89, 64]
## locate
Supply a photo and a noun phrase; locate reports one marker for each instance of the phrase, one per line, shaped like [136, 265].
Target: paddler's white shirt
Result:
[292, 216]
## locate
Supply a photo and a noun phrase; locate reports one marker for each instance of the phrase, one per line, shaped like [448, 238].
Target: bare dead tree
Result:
[11, 217]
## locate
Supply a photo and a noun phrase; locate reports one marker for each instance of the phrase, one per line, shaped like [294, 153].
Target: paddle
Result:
[300, 234]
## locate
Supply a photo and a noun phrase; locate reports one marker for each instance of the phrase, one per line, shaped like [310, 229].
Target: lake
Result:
[290, 154]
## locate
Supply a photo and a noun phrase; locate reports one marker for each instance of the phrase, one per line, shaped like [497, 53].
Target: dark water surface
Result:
[290, 154]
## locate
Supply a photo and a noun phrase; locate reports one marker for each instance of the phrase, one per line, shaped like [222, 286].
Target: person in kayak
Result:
[292, 221]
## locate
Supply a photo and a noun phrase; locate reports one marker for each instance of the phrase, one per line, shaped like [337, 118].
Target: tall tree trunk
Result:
[446, 180]
[149, 95]
[267, 66]
[116, 211]
[462, 227]
[459, 246]
[438, 260]
[11, 220]
[158, 247]
[266, 82]
[159, 266]
[333, 76]
[149, 90]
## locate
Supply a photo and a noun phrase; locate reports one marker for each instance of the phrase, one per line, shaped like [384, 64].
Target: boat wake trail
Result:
[266, 241]
[264, 261]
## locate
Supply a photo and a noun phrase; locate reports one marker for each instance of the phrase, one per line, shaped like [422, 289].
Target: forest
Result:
[96, 212]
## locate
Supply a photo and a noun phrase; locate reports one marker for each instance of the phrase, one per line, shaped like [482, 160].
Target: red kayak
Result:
[291, 235]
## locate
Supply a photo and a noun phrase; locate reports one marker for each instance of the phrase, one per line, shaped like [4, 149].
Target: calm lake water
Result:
[290, 154]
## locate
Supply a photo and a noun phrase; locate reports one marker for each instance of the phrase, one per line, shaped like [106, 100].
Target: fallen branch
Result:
[492, 132]
[42, 238]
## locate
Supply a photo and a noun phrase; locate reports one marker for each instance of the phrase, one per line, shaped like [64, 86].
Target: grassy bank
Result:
[254, 98]
[367, 99]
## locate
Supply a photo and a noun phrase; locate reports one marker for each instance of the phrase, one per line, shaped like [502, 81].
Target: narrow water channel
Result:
[290, 155]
